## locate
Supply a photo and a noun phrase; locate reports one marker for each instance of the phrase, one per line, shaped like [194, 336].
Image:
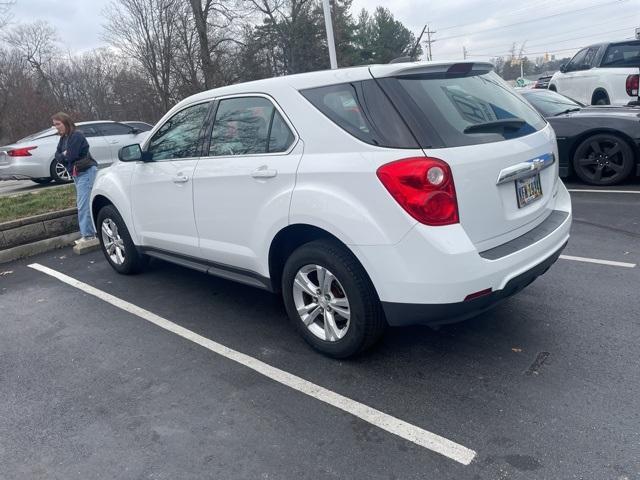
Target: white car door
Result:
[118, 135]
[243, 187]
[162, 187]
[568, 82]
[98, 147]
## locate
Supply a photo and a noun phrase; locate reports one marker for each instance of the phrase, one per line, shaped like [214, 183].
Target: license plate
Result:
[528, 190]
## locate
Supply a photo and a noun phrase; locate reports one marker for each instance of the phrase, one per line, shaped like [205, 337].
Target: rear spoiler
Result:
[430, 68]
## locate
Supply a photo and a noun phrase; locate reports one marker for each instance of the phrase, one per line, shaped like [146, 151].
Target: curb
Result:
[37, 234]
[40, 246]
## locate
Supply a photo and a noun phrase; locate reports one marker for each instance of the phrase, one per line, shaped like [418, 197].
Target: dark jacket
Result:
[76, 147]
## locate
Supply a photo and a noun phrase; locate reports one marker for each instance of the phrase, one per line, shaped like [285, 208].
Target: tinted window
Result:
[590, 57]
[550, 103]
[363, 110]
[448, 104]
[577, 60]
[281, 136]
[241, 127]
[179, 136]
[89, 130]
[114, 129]
[622, 55]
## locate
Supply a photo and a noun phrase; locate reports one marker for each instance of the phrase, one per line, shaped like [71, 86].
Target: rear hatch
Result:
[501, 151]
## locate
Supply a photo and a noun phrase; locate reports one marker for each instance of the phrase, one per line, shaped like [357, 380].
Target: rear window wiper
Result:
[568, 110]
[504, 124]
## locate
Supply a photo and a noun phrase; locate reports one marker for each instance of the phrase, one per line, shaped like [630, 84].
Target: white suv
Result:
[603, 74]
[389, 194]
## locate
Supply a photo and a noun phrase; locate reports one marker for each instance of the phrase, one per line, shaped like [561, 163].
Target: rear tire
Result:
[59, 173]
[603, 159]
[42, 181]
[553, 88]
[331, 300]
[600, 98]
[116, 243]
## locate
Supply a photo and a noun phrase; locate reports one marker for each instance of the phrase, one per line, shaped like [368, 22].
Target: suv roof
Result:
[320, 78]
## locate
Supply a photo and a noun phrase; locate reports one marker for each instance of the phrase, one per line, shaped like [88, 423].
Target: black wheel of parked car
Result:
[116, 243]
[603, 159]
[331, 300]
[42, 181]
[600, 98]
[59, 172]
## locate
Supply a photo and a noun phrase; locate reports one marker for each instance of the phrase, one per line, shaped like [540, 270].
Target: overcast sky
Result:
[486, 28]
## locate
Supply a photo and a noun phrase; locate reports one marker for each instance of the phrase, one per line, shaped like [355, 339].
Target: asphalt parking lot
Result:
[545, 386]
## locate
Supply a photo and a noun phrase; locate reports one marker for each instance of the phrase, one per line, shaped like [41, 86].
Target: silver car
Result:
[32, 158]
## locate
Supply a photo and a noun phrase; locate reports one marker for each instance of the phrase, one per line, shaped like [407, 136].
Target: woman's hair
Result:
[69, 126]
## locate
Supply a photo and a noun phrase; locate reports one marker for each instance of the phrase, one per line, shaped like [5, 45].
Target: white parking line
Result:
[602, 191]
[596, 260]
[382, 420]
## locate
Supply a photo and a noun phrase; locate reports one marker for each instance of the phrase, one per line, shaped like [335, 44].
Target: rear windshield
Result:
[46, 131]
[622, 55]
[452, 111]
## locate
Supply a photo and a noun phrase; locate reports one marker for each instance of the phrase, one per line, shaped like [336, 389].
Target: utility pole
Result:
[464, 52]
[329, 26]
[429, 41]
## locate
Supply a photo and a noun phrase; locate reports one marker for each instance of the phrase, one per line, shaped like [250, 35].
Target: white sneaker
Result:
[85, 240]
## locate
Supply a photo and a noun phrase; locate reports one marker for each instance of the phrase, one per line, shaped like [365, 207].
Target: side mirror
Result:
[135, 130]
[563, 68]
[130, 153]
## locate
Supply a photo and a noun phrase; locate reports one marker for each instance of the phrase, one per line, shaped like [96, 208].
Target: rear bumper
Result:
[400, 314]
[22, 168]
[426, 277]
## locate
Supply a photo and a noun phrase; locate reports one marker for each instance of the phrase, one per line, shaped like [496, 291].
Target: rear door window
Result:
[114, 129]
[442, 107]
[622, 55]
[89, 130]
[249, 126]
[364, 111]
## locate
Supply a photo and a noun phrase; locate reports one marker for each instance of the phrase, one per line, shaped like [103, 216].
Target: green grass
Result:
[34, 203]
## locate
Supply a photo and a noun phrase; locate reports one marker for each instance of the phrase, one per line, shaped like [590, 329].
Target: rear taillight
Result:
[20, 152]
[424, 187]
[632, 85]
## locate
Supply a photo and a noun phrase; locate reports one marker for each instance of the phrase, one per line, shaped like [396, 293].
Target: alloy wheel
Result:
[112, 241]
[62, 173]
[321, 303]
[602, 160]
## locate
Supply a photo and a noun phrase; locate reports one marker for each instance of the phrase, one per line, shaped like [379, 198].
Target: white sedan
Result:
[32, 158]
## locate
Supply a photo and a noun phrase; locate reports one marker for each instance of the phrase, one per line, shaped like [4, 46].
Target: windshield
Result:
[452, 104]
[550, 103]
[622, 55]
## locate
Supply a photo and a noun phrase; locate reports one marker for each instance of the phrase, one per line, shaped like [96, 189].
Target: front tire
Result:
[603, 159]
[116, 243]
[59, 173]
[331, 300]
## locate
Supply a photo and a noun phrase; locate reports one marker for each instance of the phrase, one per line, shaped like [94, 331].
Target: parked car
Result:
[32, 158]
[601, 145]
[388, 194]
[602, 74]
[543, 82]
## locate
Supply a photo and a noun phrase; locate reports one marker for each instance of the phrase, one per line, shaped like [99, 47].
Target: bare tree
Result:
[146, 31]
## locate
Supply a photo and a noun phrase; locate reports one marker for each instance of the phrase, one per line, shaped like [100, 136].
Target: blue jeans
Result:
[84, 184]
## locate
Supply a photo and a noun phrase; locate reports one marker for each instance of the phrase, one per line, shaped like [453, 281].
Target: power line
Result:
[574, 38]
[517, 10]
[533, 20]
[581, 29]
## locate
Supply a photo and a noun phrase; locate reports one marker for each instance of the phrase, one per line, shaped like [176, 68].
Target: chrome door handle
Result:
[180, 179]
[264, 172]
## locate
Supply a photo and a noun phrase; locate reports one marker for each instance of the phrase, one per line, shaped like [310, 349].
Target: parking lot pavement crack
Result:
[534, 368]
[606, 227]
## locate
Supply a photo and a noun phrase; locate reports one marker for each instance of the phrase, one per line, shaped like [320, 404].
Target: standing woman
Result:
[73, 153]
